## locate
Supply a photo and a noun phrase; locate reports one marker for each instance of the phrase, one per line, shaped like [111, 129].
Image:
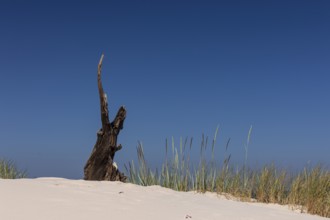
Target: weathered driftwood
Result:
[100, 165]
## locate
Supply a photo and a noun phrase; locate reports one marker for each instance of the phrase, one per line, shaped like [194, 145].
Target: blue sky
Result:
[180, 67]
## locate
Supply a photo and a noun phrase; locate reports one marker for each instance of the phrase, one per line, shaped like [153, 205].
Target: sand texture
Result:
[63, 199]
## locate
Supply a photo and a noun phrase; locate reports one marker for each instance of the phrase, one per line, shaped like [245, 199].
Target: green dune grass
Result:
[308, 190]
[8, 170]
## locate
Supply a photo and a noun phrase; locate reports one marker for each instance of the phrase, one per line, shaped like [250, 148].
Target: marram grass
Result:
[8, 170]
[308, 190]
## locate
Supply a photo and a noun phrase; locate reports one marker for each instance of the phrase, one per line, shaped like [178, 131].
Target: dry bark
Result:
[100, 165]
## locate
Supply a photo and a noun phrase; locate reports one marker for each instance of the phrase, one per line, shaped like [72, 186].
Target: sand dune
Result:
[61, 199]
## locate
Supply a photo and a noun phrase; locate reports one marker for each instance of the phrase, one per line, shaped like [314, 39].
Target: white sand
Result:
[61, 199]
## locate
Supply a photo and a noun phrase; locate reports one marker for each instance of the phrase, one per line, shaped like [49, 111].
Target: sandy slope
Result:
[60, 199]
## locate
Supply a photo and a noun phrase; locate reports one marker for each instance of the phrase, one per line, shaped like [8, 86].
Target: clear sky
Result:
[180, 67]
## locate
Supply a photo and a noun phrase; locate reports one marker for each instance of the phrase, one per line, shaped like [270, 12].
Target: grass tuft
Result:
[309, 189]
[8, 170]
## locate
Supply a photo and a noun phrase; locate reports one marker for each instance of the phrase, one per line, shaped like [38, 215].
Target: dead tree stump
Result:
[100, 165]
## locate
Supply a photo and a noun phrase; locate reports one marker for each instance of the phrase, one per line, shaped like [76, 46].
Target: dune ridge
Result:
[57, 198]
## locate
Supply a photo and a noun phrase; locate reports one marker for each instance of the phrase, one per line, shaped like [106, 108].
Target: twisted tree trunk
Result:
[100, 165]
